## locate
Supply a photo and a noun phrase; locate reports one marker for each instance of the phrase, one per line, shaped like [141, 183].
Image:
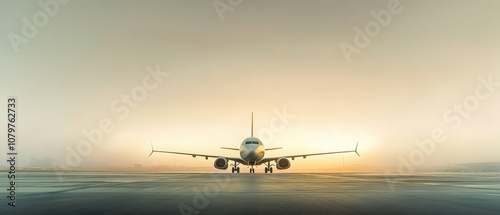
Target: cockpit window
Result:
[251, 142]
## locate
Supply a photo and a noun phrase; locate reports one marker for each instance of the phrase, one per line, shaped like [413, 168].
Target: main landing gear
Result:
[268, 167]
[235, 168]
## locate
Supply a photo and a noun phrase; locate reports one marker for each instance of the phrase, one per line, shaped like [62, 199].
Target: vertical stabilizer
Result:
[252, 126]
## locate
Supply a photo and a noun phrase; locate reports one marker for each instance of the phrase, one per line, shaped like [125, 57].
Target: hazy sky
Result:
[263, 56]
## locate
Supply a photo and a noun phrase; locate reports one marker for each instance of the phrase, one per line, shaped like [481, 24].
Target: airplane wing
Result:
[306, 155]
[234, 149]
[239, 160]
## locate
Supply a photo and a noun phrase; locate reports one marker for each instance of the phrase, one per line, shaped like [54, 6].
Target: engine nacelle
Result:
[220, 163]
[283, 163]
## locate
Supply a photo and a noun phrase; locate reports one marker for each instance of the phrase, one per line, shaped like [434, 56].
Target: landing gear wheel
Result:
[235, 167]
[269, 167]
[265, 170]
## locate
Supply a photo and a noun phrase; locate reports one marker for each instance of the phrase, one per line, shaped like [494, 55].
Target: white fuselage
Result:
[252, 150]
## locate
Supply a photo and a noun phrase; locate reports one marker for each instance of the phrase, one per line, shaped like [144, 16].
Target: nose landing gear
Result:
[251, 164]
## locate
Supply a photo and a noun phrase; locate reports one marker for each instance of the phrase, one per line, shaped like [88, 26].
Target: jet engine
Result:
[220, 163]
[283, 163]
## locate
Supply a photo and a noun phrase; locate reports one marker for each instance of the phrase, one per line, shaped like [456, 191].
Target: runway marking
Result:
[447, 185]
[108, 184]
[492, 194]
[356, 177]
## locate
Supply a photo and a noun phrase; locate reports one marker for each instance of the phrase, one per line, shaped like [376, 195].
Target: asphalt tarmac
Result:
[221, 193]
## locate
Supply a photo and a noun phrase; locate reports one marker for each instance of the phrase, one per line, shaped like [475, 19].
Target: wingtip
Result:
[356, 149]
[152, 150]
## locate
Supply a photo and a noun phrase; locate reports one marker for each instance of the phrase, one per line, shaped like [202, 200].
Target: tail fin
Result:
[252, 125]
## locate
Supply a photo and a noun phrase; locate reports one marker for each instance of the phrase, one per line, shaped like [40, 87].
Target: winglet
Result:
[152, 150]
[356, 149]
[252, 125]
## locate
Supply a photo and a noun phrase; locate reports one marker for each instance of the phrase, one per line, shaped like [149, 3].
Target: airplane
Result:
[252, 153]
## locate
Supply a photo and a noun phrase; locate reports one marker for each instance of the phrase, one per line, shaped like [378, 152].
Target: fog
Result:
[99, 81]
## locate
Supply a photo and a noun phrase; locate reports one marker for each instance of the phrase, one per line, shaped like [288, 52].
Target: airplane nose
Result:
[252, 154]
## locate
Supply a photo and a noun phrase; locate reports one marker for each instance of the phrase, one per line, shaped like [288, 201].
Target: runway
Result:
[221, 193]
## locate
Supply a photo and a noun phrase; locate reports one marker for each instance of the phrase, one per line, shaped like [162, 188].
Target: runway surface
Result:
[221, 193]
